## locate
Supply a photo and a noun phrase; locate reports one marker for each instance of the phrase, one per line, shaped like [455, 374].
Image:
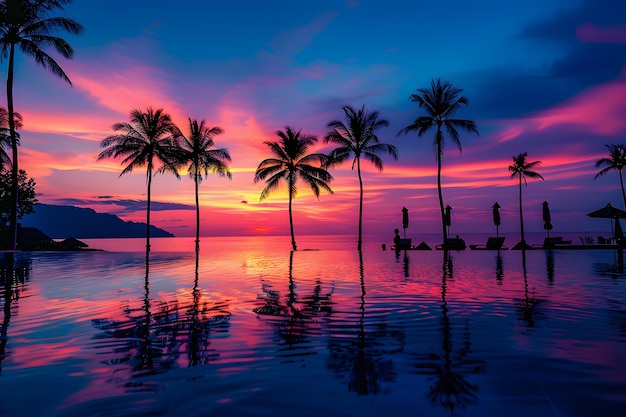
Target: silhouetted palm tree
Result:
[357, 136]
[615, 162]
[441, 102]
[292, 160]
[28, 25]
[148, 136]
[5, 134]
[522, 168]
[197, 151]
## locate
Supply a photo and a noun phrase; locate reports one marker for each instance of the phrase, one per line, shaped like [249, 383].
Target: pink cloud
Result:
[590, 32]
[127, 86]
[509, 133]
[84, 126]
[598, 110]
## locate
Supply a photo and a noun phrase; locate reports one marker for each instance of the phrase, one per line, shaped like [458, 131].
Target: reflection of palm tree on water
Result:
[363, 359]
[527, 307]
[152, 342]
[450, 389]
[364, 373]
[13, 274]
[196, 330]
[299, 312]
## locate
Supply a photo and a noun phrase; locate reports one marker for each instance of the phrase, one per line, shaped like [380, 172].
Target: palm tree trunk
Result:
[521, 216]
[148, 207]
[443, 221]
[14, 163]
[621, 181]
[197, 214]
[293, 237]
[358, 168]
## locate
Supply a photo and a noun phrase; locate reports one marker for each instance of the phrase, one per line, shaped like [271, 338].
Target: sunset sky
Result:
[547, 77]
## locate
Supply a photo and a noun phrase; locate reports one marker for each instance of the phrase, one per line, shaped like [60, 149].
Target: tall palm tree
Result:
[357, 136]
[5, 134]
[522, 168]
[197, 151]
[616, 161]
[148, 138]
[292, 160]
[28, 25]
[441, 102]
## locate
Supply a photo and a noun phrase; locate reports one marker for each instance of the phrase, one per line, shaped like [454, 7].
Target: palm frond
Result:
[441, 100]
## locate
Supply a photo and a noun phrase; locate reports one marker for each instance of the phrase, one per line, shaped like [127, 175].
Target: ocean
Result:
[250, 328]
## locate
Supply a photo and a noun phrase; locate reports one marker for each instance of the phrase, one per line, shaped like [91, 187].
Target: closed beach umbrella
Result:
[546, 218]
[496, 216]
[405, 219]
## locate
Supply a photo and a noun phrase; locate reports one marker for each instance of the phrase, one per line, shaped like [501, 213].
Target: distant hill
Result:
[60, 222]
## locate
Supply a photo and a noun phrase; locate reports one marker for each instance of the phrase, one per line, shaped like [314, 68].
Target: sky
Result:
[546, 77]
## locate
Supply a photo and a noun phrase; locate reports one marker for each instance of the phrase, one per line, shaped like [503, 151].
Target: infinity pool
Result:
[252, 329]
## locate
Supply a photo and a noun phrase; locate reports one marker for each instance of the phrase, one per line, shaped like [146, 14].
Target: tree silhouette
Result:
[5, 134]
[148, 136]
[357, 136]
[614, 162]
[28, 25]
[522, 168]
[441, 102]
[292, 161]
[197, 151]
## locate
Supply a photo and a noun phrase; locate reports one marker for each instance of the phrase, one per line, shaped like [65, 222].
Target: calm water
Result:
[251, 329]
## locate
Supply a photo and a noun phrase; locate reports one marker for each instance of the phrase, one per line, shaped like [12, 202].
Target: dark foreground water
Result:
[252, 329]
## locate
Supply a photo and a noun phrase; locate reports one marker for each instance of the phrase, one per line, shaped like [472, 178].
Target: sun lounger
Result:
[403, 244]
[493, 243]
[555, 242]
[453, 244]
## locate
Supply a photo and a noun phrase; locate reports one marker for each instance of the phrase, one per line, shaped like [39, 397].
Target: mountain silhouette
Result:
[62, 221]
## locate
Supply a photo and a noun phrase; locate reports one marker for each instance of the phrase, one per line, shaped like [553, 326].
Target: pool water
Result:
[250, 328]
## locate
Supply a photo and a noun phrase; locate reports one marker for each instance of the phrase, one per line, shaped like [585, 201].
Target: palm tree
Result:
[357, 136]
[441, 102]
[522, 168]
[292, 160]
[28, 25]
[148, 136]
[615, 162]
[5, 134]
[197, 151]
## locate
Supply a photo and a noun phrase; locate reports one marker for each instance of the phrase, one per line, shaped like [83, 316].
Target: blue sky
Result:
[543, 77]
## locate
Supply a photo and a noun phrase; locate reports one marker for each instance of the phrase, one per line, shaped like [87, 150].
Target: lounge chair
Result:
[493, 243]
[453, 244]
[403, 244]
[555, 242]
